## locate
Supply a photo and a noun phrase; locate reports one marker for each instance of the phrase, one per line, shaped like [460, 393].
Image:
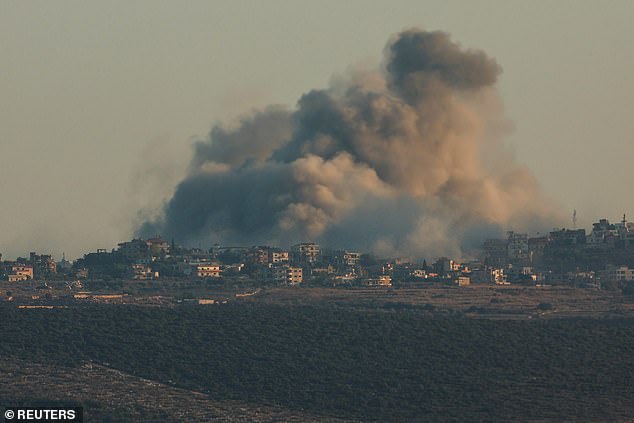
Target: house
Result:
[617, 274]
[305, 253]
[257, 255]
[347, 279]
[135, 249]
[158, 246]
[519, 273]
[537, 247]
[278, 256]
[207, 270]
[43, 265]
[462, 280]
[495, 251]
[489, 275]
[568, 237]
[347, 258]
[141, 271]
[517, 247]
[379, 281]
[21, 272]
[444, 266]
[288, 275]
[419, 274]
[326, 270]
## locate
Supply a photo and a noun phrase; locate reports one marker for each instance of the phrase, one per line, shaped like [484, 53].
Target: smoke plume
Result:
[406, 160]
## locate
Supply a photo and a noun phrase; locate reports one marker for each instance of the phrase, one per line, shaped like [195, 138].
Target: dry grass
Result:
[477, 300]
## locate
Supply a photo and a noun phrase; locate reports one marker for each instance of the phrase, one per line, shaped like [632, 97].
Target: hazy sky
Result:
[100, 101]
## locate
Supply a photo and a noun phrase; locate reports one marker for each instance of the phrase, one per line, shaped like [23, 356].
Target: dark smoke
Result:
[419, 60]
[393, 161]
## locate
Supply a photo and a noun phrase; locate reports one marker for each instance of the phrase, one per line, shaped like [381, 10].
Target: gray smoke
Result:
[396, 161]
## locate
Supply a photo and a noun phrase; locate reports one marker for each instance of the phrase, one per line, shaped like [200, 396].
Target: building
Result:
[278, 256]
[141, 271]
[606, 235]
[444, 266]
[489, 275]
[617, 274]
[419, 273]
[43, 265]
[568, 237]
[64, 265]
[603, 236]
[348, 279]
[207, 270]
[135, 249]
[462, 280]
[288, 275]
[322, 270]
[495, 252]
[517, 247]
[257, 255]
[305, 253]
[348, 258]
[498, 277]
[20, 272]
[537, 247]
[519, 273]
[158, 246]
[626, 233]
[380, 281]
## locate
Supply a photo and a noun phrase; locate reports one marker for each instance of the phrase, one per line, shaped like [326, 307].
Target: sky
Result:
[102, 101]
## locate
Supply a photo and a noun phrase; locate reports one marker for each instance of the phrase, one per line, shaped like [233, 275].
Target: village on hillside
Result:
[602, 257]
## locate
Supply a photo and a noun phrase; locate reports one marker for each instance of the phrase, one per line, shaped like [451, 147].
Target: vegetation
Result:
[399, 363]
[545, 306]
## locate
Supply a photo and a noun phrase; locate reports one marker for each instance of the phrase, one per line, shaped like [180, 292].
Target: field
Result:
[476, 301]
[372, 360]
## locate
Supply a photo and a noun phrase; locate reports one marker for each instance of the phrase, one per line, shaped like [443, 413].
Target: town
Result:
[151, 322]
[602, 258]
